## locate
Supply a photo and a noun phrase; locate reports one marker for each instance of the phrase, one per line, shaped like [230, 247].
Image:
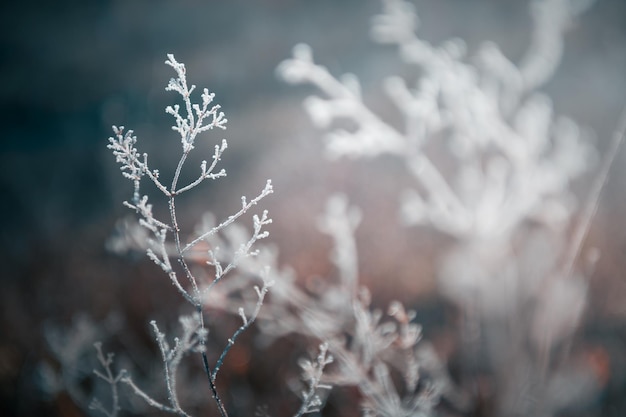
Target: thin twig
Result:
[592, 202]
[208, 372]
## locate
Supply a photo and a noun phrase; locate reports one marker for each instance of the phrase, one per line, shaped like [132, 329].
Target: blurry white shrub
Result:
[507, 199]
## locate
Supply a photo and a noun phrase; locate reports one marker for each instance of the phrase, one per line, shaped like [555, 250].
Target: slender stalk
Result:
[192, 280]
[172, 206]
[591, 207]
[207, 369]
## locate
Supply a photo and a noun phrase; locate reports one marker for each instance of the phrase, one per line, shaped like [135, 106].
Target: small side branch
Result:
[151, 401]
[247, 322]
[245, 206]
[111, 379]
[312, 374]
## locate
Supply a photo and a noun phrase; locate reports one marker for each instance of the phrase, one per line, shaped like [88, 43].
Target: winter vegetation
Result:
[507, 201]
[195, 119]
[492, 167]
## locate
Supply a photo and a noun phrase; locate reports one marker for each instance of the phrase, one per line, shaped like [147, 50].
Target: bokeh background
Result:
[71, 69]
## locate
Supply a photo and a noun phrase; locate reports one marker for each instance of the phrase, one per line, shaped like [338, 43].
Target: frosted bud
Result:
[292, 72]
[303, 52]
[396, 309]
[319, 111]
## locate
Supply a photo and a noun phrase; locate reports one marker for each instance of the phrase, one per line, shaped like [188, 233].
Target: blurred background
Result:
[71, 69]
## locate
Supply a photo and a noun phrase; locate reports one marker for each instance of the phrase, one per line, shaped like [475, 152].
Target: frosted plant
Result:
[507, 201]
[379, 354]
[176, 253]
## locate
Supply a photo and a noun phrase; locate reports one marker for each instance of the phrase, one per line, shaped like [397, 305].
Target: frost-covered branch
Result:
[245, 206]
[165, 239]
[111, 379]
[247, 320]
[192, 123]
[312, 373]
[192, 340]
